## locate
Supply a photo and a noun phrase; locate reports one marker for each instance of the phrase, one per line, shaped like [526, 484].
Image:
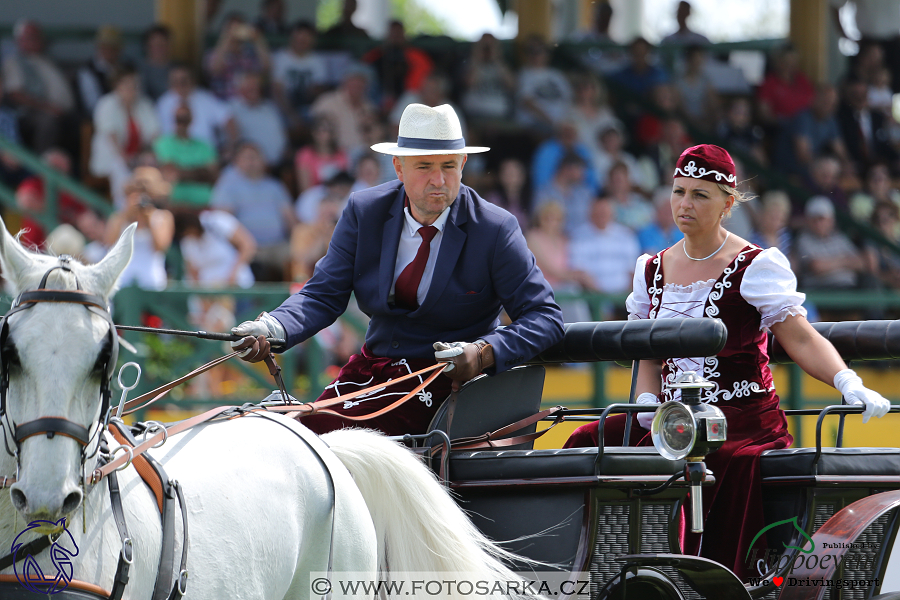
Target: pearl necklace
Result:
[684, 247]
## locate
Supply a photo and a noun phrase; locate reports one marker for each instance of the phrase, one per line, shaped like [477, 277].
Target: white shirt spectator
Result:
[261, 124]
[298, 74]
[147, 268]
[111, 130]
[546, 87]
[212, 255]
[209, 114]
[608, 255]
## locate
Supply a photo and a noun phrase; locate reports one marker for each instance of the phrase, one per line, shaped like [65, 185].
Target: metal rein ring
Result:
[128, 450]
[153, 427]
[137, 378]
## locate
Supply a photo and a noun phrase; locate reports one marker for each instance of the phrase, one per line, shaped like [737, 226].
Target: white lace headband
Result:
[692, 170]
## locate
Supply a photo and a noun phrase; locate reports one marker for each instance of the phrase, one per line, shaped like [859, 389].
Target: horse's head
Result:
[53, 357]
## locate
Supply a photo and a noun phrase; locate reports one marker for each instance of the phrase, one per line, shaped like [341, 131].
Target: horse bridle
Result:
[52, 426]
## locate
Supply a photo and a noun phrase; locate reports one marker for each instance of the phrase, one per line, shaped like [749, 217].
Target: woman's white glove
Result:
[848, 383]
[646, 418]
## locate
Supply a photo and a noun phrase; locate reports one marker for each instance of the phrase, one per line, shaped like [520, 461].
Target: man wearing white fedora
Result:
[430, 262]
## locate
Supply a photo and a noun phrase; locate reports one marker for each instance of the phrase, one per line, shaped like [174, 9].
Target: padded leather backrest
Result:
[487, 403]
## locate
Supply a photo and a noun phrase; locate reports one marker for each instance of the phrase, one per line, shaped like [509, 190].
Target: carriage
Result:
[607, 511]
[594, 501]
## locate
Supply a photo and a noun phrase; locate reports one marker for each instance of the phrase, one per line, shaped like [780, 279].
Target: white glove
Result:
[265, 324]
[646, 418]
[447, 351]
[848, 383]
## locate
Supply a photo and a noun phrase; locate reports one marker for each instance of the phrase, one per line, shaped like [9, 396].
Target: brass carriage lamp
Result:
[691, 430]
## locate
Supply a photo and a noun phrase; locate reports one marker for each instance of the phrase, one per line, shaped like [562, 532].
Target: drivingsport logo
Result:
[394, 586]
[28, 571]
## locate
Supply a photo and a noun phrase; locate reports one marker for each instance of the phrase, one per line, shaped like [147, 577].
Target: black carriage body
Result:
[580, 508]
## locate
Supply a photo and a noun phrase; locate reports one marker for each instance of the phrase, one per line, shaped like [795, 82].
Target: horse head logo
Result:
[31, 575]
[812, 544]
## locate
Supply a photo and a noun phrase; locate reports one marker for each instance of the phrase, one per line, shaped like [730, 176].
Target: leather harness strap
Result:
[489, 440]
[142, 466]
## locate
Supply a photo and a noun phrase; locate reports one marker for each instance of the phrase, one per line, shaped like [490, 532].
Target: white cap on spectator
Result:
[425, 131]
[819, 206]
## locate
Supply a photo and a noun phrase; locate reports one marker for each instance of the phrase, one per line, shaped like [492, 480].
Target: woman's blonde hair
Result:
[739, 196]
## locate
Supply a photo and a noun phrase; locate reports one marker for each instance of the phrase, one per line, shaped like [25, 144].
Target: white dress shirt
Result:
[410, 240]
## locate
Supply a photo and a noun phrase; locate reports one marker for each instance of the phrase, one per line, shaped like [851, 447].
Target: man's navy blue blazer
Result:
[483, 265]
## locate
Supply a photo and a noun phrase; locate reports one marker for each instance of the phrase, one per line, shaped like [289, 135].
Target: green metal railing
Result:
[54, 183]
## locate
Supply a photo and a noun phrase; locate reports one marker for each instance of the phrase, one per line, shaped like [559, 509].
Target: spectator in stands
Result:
[697, 97]
[93, 227]
[345, 29]
[882, 262]
[212, 121]
[785, 91]
[216, 248]
[685, 36]
[878, 188]
[824, 180]
[611, 151]
[319, 161]
[866, 133]
[550, 153]
[814, 132]
[738, 131]
[241, 48]
[662, 233]
[631, 208]
[400, 67]
[271, 18]
[662, 156]
[489, 82]
[30, 197]
[299, 74]
[157, 61]
[125, 123]
[648, 129]
[433, 92]
[190, 165]
[512, 191]
[262, 204]
[601, 61]
[310, 239]
[881, 96]
[604, 249]
[543, 93]
[772, 224]
[9, 129]
[257, 118]
[640, 76]
[97, 77]
[568, 188]
[372, 133]
[338, 185]
[827, 258]
[591, 113]
[37, 88]
[348, 108]
[549, 243]
[145, 192]
[367, 172]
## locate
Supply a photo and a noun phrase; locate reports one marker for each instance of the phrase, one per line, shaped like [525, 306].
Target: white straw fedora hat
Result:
[425, 131]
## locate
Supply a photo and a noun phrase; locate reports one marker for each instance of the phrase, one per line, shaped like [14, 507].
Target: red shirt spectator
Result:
[785, 91]
[30, 196]
[400, 67]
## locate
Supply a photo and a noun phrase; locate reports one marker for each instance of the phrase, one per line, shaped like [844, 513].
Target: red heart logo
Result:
[778, 580]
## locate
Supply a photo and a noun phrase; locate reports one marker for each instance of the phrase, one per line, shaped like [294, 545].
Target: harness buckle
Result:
[128, 450]
[182, 582]
[127, 551]
[151, 428]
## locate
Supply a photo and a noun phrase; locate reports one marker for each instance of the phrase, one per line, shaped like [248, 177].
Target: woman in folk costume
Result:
[712, 273]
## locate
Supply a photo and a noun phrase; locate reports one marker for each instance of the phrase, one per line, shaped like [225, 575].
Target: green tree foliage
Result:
[417, 19]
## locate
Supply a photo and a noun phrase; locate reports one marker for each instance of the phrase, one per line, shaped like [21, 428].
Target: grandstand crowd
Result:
[243, 166]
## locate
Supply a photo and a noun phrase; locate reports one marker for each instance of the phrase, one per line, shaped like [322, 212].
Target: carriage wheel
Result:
[644, 584]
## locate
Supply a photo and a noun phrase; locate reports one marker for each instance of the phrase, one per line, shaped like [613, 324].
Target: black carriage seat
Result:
[486, 404]
[855, 462]
[472, 465]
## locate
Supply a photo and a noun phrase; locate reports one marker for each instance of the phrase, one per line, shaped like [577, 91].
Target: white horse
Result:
[259, 500]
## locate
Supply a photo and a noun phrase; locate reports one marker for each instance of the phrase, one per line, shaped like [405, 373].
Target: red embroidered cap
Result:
[707, 162]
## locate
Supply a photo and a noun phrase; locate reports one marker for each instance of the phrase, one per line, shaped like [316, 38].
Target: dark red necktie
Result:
[407, 285]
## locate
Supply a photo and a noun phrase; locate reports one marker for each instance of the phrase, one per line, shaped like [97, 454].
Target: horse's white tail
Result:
[418, 525]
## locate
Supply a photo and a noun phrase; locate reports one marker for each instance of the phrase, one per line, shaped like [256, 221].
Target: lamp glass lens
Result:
[678, 431]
